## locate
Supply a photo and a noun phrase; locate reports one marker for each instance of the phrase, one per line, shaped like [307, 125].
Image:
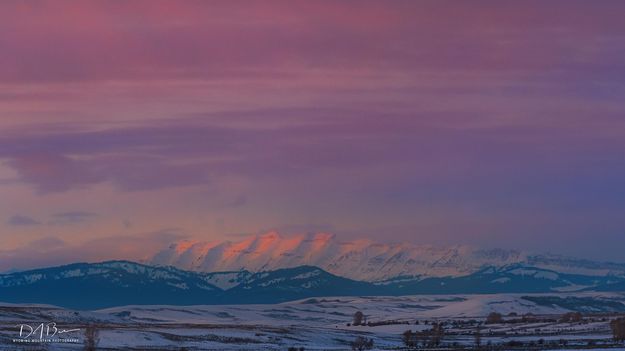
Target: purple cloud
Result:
[50, 251]
[420, 153]
[72, 217]
[222, 39]
[21, 220]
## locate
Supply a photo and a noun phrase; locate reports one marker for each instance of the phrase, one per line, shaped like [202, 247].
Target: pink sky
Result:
[488, 123]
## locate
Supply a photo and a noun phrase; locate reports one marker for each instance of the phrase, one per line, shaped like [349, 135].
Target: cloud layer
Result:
[490, 123]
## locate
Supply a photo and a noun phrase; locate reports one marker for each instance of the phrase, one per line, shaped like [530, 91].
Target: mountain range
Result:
[116, 283]
[362, 260]
[270, 268]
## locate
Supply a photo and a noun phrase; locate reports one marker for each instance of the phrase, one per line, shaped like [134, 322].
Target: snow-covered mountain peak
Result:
[359, 259]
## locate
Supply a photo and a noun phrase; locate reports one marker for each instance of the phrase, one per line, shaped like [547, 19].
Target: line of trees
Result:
[425, 338]
[571, 317]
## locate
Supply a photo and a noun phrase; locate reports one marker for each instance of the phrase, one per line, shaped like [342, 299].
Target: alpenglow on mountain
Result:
[362, 260]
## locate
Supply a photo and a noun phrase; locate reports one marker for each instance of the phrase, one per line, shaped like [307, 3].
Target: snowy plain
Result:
[326, 323]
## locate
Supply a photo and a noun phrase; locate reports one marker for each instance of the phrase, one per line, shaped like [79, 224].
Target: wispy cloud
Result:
[22, 220]
[50, 250]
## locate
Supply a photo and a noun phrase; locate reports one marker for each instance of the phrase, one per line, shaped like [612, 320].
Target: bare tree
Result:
[618, 329]
[478, 337]
[494, 318]
[91, 338]
[438, 332]
[571, 317]
[361, 344]
[410, 339]
[425, 337]
[358, 317]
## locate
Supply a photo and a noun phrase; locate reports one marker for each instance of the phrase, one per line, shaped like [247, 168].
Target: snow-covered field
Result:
[326, 323]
